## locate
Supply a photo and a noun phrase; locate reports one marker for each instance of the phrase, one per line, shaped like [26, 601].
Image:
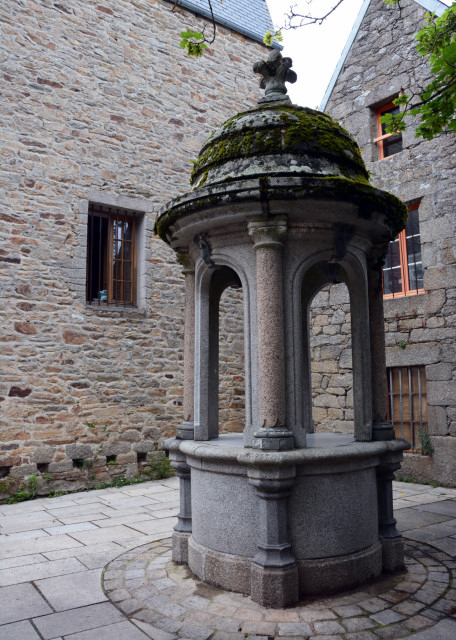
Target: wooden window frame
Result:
[106, 266]
[379, 140]
[403, 256]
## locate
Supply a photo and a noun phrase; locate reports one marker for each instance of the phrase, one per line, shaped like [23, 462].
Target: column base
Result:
[273, 440]
[274, 587]
[392, 554]
[185, 431]
[382, 431]
[180, 547]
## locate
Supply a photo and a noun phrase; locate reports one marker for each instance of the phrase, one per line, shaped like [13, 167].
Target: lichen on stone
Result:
[278, 130]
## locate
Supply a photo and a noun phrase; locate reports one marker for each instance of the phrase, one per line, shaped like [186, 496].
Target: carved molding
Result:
[184, 259]
[268, 232]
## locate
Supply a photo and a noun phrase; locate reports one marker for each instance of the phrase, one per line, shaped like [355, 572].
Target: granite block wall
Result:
[383, 61]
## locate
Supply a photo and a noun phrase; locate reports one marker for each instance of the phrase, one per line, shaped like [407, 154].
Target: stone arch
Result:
[211, 283]
[310, 277]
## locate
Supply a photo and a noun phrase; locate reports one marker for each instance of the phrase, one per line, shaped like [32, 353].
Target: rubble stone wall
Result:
[382, 61]
[98, 104]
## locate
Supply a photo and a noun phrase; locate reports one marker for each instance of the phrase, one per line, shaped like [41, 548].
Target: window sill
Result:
[408, 294]
[113, 310]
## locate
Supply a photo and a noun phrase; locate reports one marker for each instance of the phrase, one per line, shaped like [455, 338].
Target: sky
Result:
[315, 49]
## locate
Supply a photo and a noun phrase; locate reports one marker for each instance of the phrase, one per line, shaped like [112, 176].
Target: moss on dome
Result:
[281, 129]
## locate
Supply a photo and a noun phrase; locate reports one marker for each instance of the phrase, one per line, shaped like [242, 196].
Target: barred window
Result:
[111, 256]
[407, 406]
[403, 269]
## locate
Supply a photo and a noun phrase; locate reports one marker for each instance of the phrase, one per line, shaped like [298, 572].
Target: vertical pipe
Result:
[391, 395]
[400, 399]
[420, 399]
[99, 260]
[412, 426]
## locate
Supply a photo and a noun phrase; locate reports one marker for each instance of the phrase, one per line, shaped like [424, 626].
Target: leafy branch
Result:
[194, 42]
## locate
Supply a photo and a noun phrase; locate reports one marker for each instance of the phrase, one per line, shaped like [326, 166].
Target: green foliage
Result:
[193, 42]
[403, 344]
[157, 469]
[5, 484]
[26, 490]
[426, 445]
[269, 37]
[436, 104]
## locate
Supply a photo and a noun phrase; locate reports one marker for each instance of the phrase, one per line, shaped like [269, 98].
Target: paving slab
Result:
[18, 631]
[32, 572]
[120, 631]
[73, 590]
[20, 602]
[81, 619]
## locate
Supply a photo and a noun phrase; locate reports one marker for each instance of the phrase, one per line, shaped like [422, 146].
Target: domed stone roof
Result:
[278, 138]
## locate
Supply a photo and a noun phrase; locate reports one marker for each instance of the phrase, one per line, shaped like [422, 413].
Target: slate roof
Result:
[249, 17]
[435, 6]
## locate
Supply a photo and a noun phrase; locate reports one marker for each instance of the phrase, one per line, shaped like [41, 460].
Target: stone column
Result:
[274, 574]
[390, 536]
[183, 528]
[186, 429]
[381, 428]
[267, 235]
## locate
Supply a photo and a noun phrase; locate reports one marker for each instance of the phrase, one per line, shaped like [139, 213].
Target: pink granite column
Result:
[267, 235]
[186, 430]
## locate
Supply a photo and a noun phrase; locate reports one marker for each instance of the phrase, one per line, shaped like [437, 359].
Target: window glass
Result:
[392, 270]
[111, 256]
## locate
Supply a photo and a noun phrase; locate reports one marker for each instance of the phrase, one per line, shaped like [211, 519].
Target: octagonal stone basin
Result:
[331, 510]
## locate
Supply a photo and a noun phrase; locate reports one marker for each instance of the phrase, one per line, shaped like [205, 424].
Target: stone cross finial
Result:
[276, 70]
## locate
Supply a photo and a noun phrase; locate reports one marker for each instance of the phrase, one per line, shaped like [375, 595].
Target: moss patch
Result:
[281, 130]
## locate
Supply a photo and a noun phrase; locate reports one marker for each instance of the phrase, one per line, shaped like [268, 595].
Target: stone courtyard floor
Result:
[96, 566]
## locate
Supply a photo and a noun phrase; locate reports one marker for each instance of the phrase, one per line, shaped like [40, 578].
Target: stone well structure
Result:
[281, 206]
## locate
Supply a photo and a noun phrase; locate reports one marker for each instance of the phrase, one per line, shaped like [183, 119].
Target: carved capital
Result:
[268, 232]
[184, 259]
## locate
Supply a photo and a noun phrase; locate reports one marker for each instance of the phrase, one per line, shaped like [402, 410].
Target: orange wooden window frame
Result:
[406, 291]
[383, 136]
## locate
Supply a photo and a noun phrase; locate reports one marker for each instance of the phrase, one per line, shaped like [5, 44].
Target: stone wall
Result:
[99, 104]
[231, 362]
[331, 360]
[381, 61]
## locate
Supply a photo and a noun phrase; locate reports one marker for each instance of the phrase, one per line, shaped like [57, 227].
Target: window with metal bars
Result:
[407, 405]
[111, 256]
[387, 143]
[403, 269]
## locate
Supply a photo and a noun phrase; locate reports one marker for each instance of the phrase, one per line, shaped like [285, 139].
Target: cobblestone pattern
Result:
[97, 96]
[382, 61]
[166, 602]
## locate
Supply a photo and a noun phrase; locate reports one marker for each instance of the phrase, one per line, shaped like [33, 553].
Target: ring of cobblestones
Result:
[167, 602]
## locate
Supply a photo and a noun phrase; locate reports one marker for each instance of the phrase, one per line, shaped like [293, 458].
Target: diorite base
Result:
[393, 554]
[274, 587]
[329, 575]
